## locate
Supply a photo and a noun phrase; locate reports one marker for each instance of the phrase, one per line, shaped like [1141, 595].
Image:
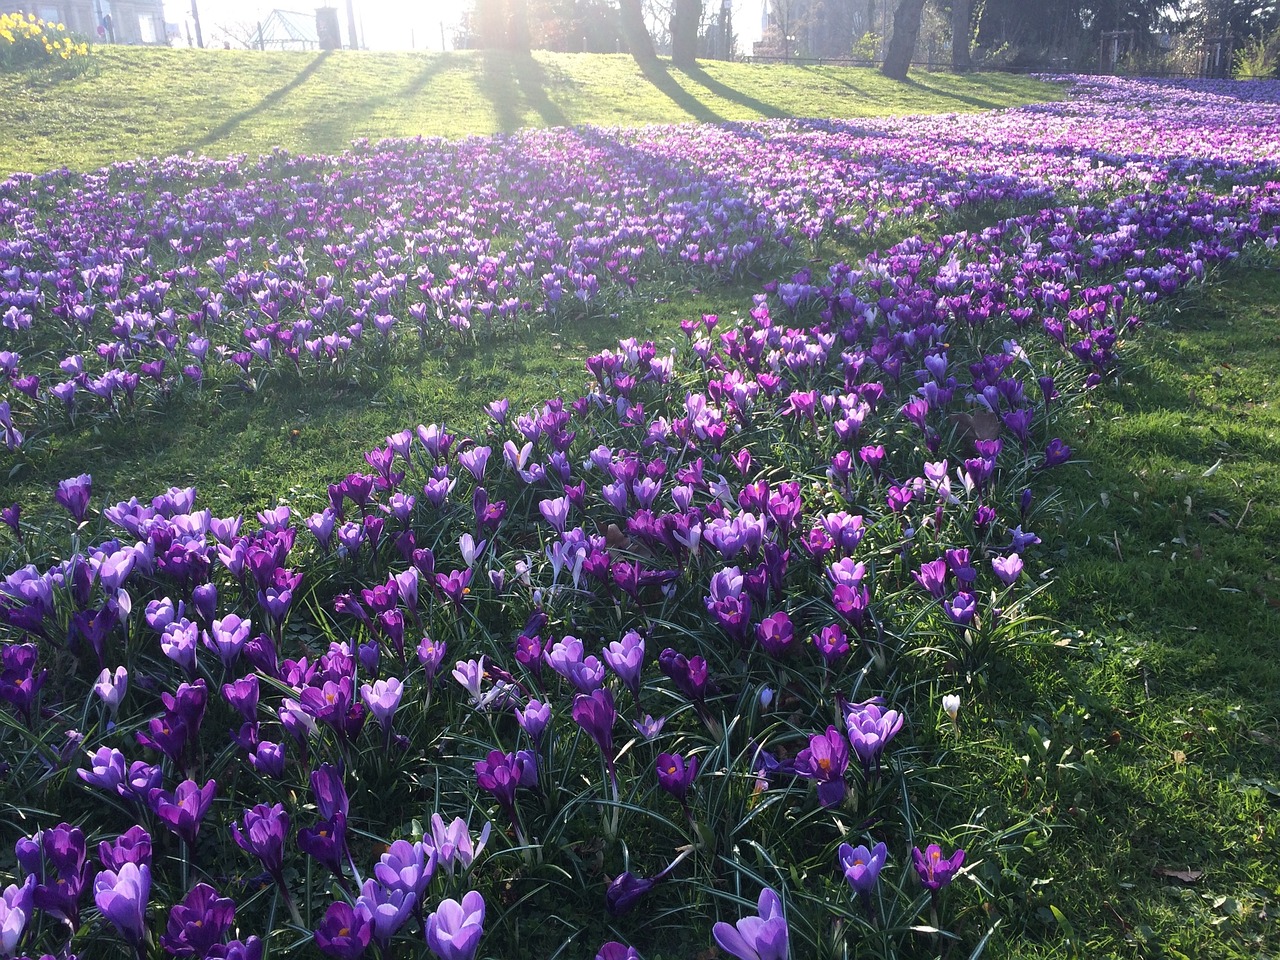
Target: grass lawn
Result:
[139, 102]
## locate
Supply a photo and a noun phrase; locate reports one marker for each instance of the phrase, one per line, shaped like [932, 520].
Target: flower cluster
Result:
[431, 688]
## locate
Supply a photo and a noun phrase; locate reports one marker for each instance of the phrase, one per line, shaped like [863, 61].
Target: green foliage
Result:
[1259, 58]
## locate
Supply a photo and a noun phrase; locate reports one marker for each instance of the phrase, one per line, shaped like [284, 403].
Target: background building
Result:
[103, 21]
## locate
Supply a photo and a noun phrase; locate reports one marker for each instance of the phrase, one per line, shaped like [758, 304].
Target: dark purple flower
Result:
[613, 950]
[243, 696]
[934, 870]
[776, 635]
[132, 846]
[676, 774]
[199, 922]
[345, 931]
[625, 891]
[326, 842]
[183, 809]
[330, 795]
[263, 836]
[501, 774]
[825, 760]
[595, 714]
[74, 494]
[689, 674]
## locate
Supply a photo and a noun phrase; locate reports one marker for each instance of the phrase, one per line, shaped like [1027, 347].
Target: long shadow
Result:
[513, 81]
[657, 73]
[436, 65]
[726, 92]
[498, 84]
[952, 95]
[272, 98]
[809, 68]
[533, 80]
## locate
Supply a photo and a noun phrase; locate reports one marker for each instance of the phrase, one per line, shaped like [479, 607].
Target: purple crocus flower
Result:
[74, 494]
[132, 846]
[387, 910]
[183, 809]
[676, 774]
[689, 674]
[451, 843]
[454, 929]
[533, 719]
[762, 937]
[934, 870]
[16, 904]
[825, 760]
[832, 643]
[502, 773]
[227, 637]
[932, 577]
[626, 658]
[198, 923]
[613, 950]
[326, 842]
[961, 608]
[242, 694]
[862, 866]
[106, 770]
[406, 866]
[122, 897]
[595, 714]
[776, 635]
[382, 697]
[345, 931]
[870, 729]
[111, 687]
[474, 461]
[1007, 569]
[263, 836]
[625, 891]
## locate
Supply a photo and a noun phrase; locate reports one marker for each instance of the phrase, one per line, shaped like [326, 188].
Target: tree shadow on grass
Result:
[512, 81]
[271, 99]
[726, 92]
[335, 126]
[943, 94]
[658, 73]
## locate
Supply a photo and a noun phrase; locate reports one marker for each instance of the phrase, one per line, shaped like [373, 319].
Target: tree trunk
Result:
[684, 33]
[961, 18]
[902, 45]
[635, 32]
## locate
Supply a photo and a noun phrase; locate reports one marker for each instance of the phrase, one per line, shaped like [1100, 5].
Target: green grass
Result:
[141, 102]
[1169, 692]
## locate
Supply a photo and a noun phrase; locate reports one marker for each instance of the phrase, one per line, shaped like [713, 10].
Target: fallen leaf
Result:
[1186, 876]
[1179, 757]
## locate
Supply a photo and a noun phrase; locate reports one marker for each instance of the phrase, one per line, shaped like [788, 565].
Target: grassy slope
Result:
[136, 102]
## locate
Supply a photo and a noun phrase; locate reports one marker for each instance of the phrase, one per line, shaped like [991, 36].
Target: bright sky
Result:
[384, 24]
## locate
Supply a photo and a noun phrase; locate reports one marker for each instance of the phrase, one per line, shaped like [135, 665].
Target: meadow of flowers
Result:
[657, 664]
